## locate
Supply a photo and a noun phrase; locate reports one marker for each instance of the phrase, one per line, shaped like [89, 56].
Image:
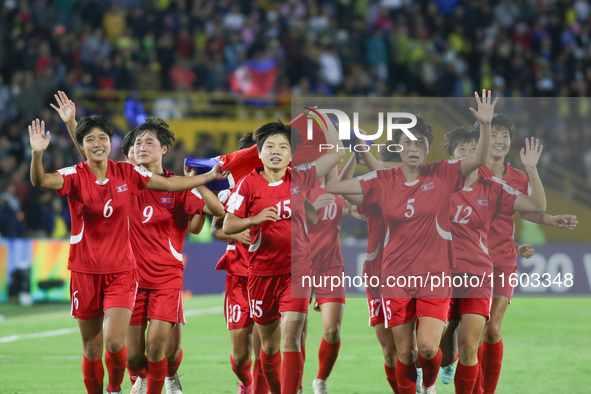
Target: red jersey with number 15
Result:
[501, 241]
[159, 224]
[271, 251]
[100, 241]
[416, 215]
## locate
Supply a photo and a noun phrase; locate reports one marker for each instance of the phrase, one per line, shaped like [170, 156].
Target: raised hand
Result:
[323, 201]
[568, 222]
[531, 153]
[526, 251]
[269, 214]
[39, 138]
[190, 171]
[486, 108]
[66, 107]
[216, 174]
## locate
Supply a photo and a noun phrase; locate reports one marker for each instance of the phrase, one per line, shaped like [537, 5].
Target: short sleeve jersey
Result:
[324, 236]
[376, 235]
[416, 215]
[159, 223]
[100, 211]
[235, 260]
[501, 241]
[271, 251]
[472, 212]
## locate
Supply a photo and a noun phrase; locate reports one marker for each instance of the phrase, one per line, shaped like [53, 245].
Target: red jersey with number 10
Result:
[501, 241]
[100, 241]
[416, 215]
[159, 223]
[324, 236]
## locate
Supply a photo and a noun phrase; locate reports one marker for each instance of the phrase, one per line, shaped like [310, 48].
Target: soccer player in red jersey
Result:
[104, 277]
[270, 202]
[473, 210]
[415, 200]
[501, 244]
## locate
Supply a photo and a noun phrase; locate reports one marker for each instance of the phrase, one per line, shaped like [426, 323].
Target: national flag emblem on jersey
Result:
[121, 188]
[483, 202]
[427, 186]
[166, 200]
[295, 190]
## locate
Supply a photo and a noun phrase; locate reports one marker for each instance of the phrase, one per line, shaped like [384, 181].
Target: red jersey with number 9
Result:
[100, 241]
[271, 250]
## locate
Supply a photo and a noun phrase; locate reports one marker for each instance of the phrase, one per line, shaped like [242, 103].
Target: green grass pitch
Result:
[547, 344]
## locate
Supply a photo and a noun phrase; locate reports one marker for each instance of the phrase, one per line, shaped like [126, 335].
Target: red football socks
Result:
[491, 366]
[430, 368]
[174, 366]
[259, 381]
[327, 356]
[242, 371]
[156, 375]
[93, 374]
[479, 379]
[391, 376]
[406, 376]
[271, 366]
[465, 378]
[115, 362]
[292, 370]
[139, 370]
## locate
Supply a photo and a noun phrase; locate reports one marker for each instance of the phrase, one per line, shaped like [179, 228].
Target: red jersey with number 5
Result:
[416, 215]
[159, 223]
[100, 241]
[324, 236]
[472, 212]
[501, 241]
[271, 250]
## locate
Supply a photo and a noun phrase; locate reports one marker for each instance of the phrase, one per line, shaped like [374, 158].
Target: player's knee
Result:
[331, 334]
[492, 334]
[428, 350]
[405, 355]
[241, 354]
[291, 342]
[154, 348]
[93, 351]
[390, 355]
[468, 351]
[114, 344]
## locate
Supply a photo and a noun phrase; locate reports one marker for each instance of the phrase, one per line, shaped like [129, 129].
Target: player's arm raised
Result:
[484, 115]
[347, 173]
[218, 232]
[343, 187]
[182, 183]
[234, 224]
[328, 161]
[529, 157]
[39, 143]
[568, 222]
[67, 112]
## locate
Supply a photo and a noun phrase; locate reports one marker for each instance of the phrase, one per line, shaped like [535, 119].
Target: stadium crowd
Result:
[376, 48]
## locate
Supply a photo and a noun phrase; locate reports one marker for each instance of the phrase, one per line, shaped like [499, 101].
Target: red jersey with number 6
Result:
[159, 223]
[324, 236]
[271, 251]
[100, 241]
[472, 212]
[416, 215]
[501, 241]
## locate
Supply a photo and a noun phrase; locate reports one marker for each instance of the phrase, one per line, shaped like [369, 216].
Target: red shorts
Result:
[468, 299]
[236, 306]
[503, 274]
[398, 311]
[93, 294]
[163, 304]
[376, 313]
[326, 294]
[270, 295]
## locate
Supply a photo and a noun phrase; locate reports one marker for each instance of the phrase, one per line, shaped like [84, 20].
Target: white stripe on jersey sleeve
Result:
[67, 171]
[196, 192]
[143, 171]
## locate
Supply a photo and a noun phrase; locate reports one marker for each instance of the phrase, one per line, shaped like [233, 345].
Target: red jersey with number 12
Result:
[100, 241]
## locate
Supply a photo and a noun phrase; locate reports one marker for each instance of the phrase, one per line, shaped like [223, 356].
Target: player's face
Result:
[414, 153]
[500, 142]
[147, 149]
[131, 155]
[465, 149]
[276, 152]
[97, 145]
